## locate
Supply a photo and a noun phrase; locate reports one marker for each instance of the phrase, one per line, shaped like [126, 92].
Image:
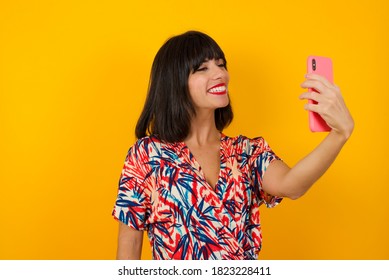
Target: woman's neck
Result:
[203, 130]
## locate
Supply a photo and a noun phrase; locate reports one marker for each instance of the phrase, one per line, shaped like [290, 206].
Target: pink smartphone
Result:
[321, 66]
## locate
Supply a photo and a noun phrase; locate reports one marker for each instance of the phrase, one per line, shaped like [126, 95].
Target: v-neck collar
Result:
[185, 151]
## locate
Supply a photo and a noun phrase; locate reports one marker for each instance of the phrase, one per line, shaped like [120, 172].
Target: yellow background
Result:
[73, 79]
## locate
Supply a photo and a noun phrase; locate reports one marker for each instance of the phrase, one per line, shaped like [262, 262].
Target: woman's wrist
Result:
[341, 136]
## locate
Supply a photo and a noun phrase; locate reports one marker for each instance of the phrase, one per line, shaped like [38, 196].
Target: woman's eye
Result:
[202, 69]
[221, 63]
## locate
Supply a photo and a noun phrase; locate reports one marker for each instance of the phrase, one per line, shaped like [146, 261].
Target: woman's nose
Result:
[218, 72]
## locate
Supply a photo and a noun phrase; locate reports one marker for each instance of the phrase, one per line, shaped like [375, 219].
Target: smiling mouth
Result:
[218, 89]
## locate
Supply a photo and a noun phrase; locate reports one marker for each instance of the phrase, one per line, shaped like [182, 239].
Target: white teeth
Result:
[218, 89]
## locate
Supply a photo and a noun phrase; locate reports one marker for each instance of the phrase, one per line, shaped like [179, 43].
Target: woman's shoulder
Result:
[147, 140]
[240, 140]
[245, 145]
[153, 145]
[147, 144]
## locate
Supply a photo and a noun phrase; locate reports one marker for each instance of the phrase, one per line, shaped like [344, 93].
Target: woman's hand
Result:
[330, 107]
[293, 182]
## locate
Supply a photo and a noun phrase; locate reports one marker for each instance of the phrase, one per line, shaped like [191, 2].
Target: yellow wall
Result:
[73, 78]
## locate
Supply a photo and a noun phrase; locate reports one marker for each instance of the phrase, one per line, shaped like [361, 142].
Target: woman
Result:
[195, 190]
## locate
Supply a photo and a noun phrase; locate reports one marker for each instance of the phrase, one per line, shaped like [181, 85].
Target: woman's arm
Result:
[129, 243]
[293, 182]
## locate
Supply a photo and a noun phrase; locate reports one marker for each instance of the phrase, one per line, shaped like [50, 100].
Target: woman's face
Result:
[208, 85]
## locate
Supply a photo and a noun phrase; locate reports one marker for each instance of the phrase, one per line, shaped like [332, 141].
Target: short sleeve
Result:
[261, 157]
[132, 206]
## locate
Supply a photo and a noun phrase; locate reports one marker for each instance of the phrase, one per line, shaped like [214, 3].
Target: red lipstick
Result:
[218, 89]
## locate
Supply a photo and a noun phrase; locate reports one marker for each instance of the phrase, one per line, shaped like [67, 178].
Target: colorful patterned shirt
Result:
[162, 189]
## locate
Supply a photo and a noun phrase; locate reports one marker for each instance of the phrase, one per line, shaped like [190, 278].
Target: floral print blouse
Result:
[162, 189]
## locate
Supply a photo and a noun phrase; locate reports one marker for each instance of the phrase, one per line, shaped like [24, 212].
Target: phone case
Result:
[321, 66]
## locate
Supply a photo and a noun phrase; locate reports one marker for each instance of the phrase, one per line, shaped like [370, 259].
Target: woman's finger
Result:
[322, 79]
[317, 85]
[311, 95]
[312, 107]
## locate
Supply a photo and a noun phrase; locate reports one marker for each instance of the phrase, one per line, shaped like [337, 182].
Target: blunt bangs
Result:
[198, 48]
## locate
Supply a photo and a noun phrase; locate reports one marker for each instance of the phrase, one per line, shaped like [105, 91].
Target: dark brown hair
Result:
[169, 108]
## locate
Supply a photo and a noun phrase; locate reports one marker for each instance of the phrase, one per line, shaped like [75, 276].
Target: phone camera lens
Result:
[313, 64]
